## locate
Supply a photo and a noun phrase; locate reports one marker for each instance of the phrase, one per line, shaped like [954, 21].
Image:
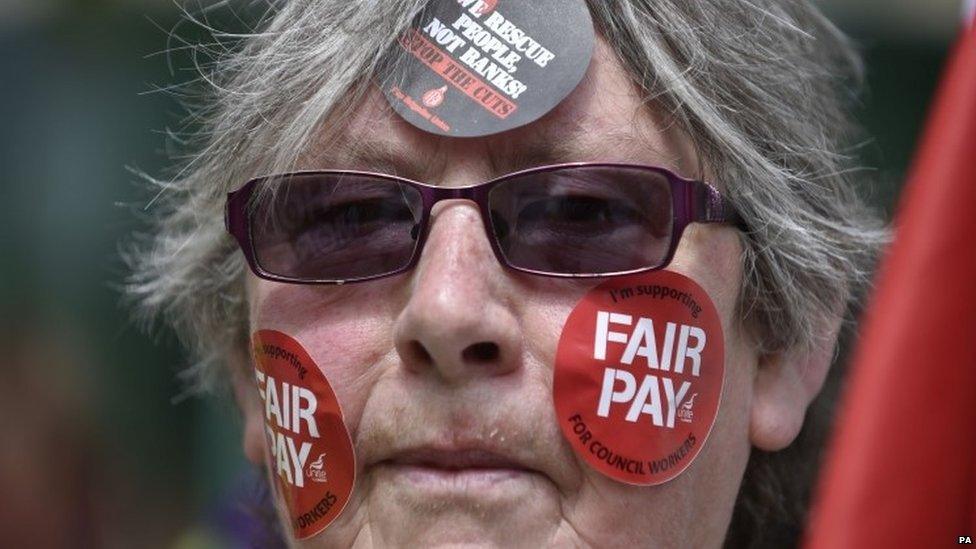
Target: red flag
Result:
[901, 471]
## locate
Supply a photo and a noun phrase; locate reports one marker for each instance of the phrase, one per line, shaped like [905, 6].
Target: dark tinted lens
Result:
[583, 220]
[334, 227]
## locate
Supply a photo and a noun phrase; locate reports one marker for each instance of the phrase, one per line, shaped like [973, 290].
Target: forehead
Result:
[603, 119]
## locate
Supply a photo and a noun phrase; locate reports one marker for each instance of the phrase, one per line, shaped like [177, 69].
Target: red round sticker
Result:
[638, 376]
[310, 452]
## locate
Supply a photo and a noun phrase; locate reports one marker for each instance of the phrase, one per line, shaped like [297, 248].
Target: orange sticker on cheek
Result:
[638, 376]
[310, 453]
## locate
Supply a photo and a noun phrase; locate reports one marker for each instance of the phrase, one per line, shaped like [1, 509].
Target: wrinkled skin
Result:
[367, 339]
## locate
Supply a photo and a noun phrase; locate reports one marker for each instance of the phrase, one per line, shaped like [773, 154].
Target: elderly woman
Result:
[437, 327]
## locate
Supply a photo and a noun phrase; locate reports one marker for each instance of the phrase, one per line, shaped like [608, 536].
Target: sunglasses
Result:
[569, 220]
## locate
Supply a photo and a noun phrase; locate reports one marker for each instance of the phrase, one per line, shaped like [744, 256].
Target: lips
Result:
[474, 436]
[479, 469]
[455, 469]
[454, 459]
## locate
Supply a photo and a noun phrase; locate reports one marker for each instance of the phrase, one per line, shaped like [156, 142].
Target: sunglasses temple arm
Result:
[235, 221]
[227, 215]
[712, 207]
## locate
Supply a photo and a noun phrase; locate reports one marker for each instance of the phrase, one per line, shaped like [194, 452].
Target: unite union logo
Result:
[316, 470]
[686, 413]
[484, 7]
[434, 97]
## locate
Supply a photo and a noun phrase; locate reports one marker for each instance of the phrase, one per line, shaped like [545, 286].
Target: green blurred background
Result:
[98, 448]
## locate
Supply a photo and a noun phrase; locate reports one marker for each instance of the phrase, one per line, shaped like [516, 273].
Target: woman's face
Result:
[454, 360]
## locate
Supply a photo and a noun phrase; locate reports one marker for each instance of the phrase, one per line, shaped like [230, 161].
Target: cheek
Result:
[346, 331]
[711, 259]
[712, 256]
[547, 305]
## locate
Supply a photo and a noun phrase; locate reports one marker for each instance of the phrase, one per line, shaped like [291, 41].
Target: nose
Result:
[458, 322]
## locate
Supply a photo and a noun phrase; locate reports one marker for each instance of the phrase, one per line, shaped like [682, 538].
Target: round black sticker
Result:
[478, 67]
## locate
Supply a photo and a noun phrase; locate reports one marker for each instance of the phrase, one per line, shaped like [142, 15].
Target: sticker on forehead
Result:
[467, 68]
[638, 376]
[311, 456]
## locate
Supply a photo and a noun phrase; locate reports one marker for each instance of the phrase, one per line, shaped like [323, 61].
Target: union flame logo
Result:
[686, 412]
[485, 7]
[316, 470]
[434, 97]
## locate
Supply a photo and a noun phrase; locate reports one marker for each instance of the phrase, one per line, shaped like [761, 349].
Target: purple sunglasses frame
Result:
[693, 201]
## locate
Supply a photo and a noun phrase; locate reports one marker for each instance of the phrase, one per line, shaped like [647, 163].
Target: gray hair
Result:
[760, 86]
